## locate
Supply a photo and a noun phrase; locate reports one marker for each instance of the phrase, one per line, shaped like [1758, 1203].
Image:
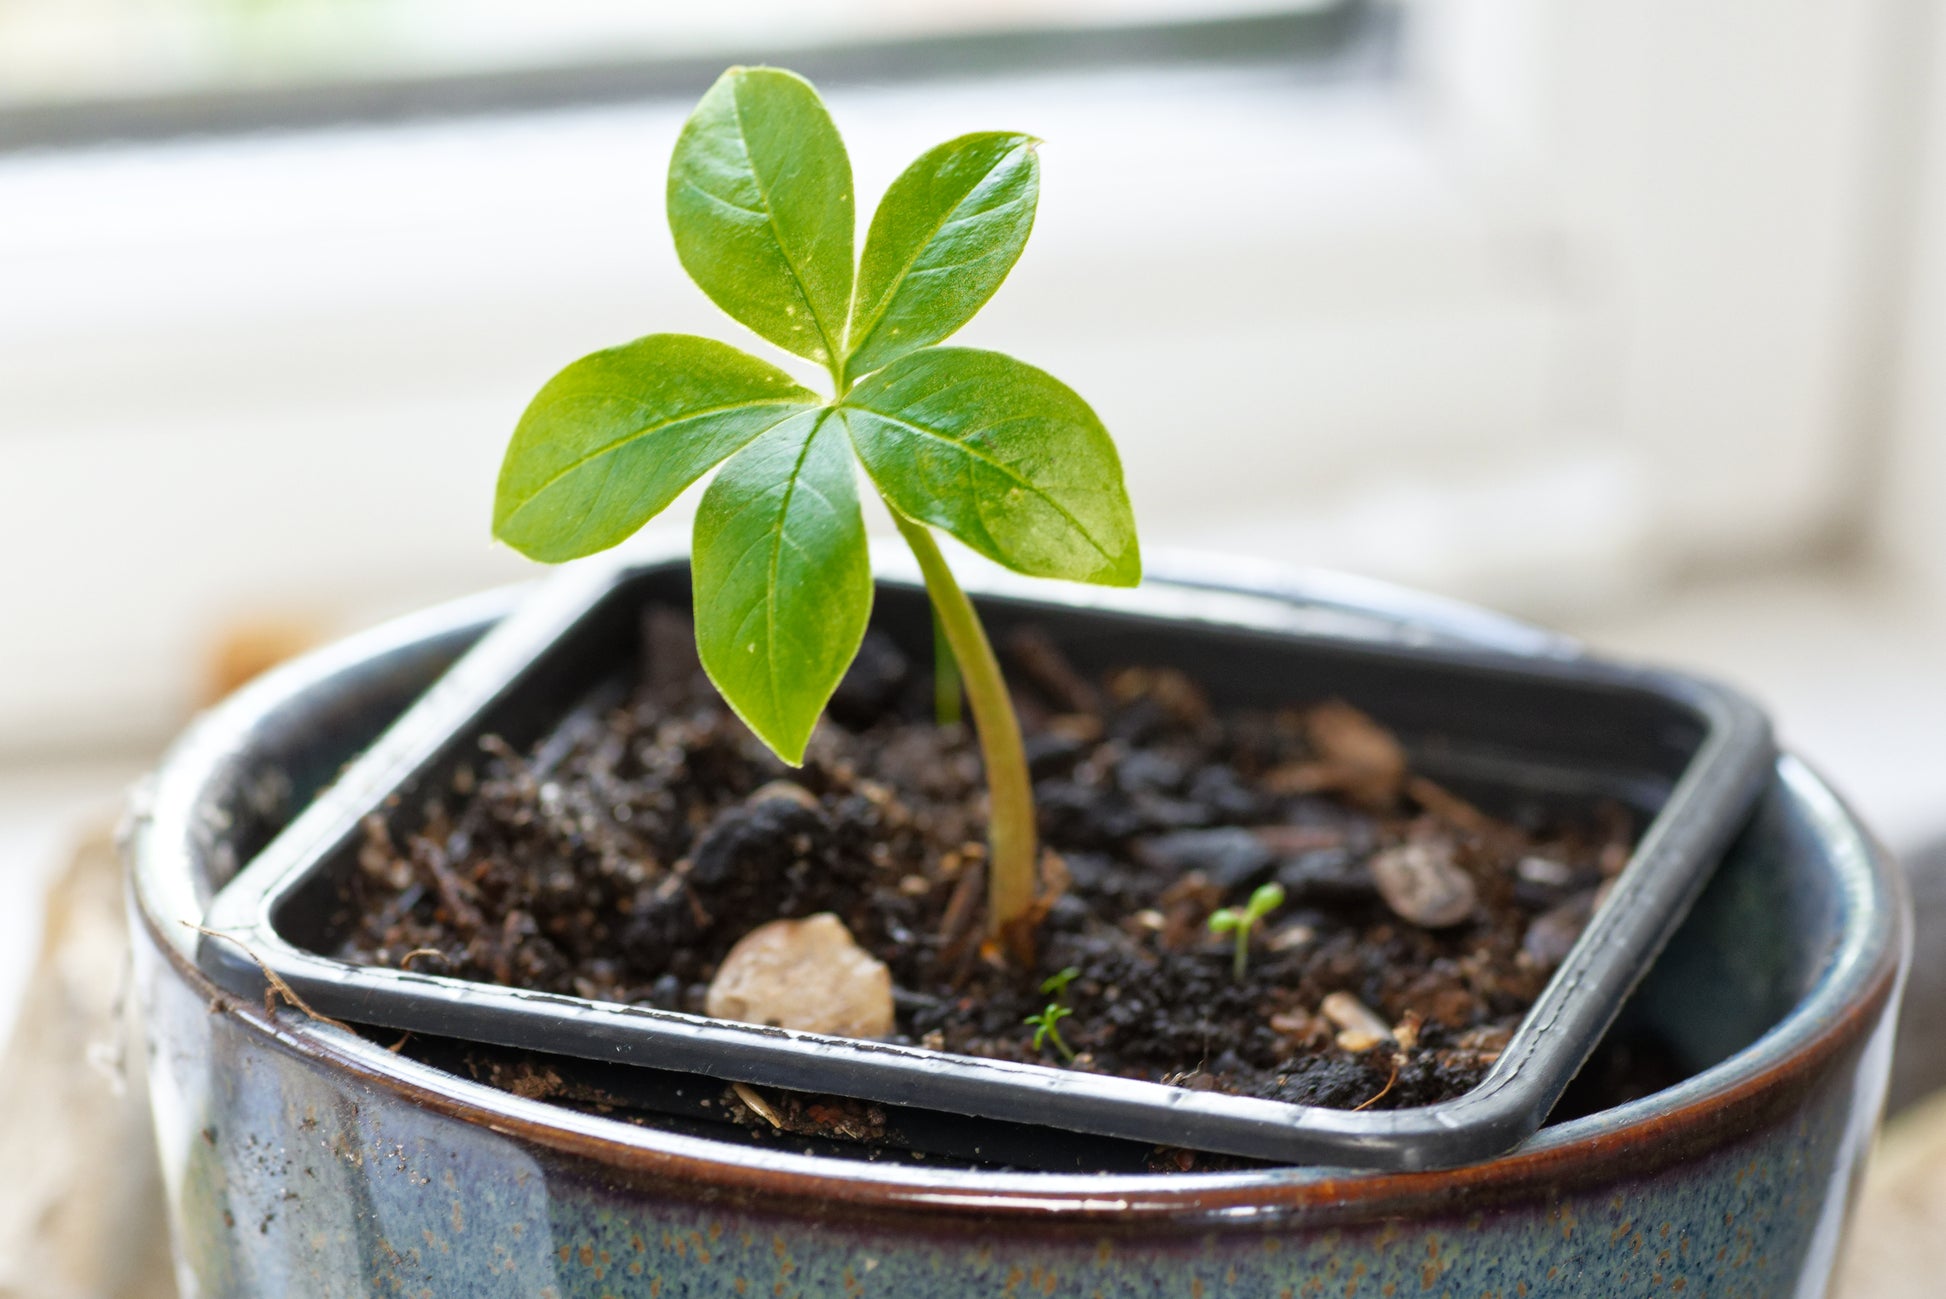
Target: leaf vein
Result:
[892, 286]
[710, 194]
[783, 521]
[770, 211]
[648, 430]
[1005, 470]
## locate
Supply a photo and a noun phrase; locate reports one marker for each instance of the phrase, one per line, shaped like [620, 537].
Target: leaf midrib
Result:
[581, 462]
[770, 214]
[776, 559]
[892, 286]
[1004, 469]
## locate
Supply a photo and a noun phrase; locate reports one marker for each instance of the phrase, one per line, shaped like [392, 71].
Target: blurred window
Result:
[1515, 300]
[73, 70]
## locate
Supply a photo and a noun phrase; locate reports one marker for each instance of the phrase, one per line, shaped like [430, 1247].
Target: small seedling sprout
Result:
[1056, 985]
[1046, 1029]
[1046, 1024]
[997, 454]
[1241, 920]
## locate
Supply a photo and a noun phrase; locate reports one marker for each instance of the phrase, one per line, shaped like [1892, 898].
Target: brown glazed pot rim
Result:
[1739, 1095]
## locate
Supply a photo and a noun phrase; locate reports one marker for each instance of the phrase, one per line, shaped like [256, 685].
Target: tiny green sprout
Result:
[1046, 1029]
[1241, 920]
[1056, 985]
[997, 454]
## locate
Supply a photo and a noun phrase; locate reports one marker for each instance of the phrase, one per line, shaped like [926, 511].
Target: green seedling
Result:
[1241, 920]
[1056, 985]
[1046, 1029]
[991, 451]
[1046, 1024]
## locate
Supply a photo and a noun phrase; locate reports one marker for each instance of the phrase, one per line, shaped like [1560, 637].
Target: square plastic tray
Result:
[1528, 719]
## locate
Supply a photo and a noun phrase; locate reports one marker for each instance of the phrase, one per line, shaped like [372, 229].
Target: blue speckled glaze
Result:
[301, 1161]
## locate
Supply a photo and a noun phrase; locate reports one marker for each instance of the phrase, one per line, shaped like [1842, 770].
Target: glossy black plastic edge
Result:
[1703, 811]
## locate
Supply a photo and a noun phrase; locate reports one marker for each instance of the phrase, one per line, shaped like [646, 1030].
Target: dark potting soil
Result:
[621, 858]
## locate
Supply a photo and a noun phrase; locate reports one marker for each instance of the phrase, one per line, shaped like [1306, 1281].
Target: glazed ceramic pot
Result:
[303, 1160]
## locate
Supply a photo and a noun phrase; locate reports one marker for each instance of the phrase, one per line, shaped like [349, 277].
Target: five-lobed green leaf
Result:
[612, 439]
[783, 578]
[760, 203]
[1002, 456]
[993, 451]
[944, 237]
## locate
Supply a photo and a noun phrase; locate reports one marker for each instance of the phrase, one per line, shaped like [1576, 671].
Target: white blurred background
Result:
[1618, 314]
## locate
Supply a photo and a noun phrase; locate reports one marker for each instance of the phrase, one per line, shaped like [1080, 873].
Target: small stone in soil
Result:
[806, 975]
[1421, 882]
[1361, 1030]
[1292, 936]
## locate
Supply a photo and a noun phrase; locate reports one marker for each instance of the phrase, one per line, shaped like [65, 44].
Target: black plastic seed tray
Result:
[1530, 722]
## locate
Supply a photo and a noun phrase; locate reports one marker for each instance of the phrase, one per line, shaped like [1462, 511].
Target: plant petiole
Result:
[1011, 835]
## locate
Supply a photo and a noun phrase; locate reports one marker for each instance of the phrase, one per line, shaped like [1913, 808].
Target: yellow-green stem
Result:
[1011, 851]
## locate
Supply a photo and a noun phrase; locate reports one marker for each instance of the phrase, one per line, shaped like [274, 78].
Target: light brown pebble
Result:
[1293, 1023]
[1361, 1030]
[1291, 937]
[806, 975]
[1421, 883]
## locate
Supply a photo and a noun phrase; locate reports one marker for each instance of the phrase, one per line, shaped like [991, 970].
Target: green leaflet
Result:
[944, 237]
[1005, 457]
[760, 203]
[783, 582]
[616, 436]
